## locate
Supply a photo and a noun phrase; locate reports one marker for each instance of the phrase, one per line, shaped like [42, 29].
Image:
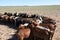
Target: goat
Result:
[23, 32]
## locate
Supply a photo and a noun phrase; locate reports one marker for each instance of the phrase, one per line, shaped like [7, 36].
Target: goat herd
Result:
[31, 27]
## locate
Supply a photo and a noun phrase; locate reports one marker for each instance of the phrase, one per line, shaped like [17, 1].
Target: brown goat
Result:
[23, 32]
[12, 20]
[48, 28]
[5, 18]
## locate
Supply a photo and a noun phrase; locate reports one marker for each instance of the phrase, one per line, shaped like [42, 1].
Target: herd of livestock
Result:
[30, 27]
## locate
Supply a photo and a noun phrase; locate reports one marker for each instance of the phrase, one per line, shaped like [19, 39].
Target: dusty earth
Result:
[54, 13]
[6, 32]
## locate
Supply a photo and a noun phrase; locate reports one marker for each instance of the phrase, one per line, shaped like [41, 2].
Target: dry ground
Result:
[49, 11]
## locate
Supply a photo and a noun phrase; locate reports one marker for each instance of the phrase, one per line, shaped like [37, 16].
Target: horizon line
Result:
[30, 5]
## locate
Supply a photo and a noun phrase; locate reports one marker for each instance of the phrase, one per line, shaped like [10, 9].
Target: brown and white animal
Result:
[48, 28]
[23, 32]
[5, 17]
[48, 20]
[12, 20]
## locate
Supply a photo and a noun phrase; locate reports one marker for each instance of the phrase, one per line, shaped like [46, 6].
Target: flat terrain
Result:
[49, 11]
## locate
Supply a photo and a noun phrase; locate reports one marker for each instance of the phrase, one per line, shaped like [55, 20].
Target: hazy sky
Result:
[28, 2]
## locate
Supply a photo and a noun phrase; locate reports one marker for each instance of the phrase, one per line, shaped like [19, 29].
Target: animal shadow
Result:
[14, 37]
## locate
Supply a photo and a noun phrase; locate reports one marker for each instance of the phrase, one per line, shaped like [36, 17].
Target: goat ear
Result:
[20, 26]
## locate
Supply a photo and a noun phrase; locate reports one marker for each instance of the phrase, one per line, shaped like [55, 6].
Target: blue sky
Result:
[28, 2]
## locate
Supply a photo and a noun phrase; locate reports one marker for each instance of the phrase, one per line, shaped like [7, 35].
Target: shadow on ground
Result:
[10, 25]
[14, 37]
